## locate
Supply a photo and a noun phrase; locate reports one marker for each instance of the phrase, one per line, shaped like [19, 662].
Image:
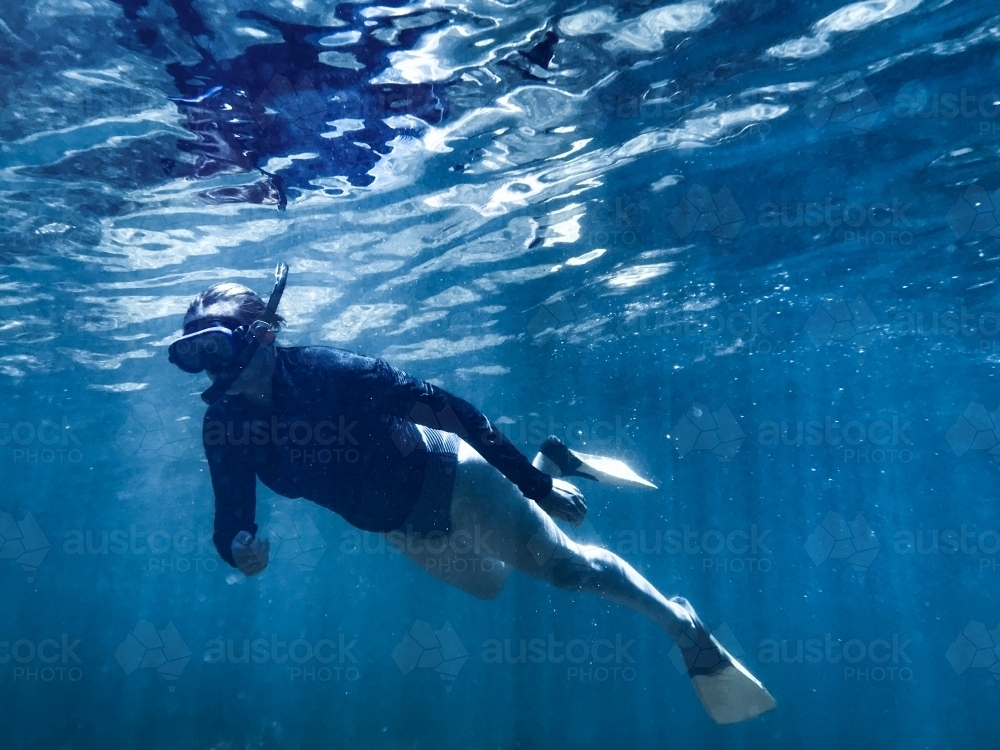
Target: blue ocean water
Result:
[749, 247]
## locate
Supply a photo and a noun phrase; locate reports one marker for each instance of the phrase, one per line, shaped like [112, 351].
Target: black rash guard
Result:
[341, 432]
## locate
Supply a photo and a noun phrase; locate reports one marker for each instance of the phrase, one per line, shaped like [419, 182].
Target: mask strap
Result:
[232, 373]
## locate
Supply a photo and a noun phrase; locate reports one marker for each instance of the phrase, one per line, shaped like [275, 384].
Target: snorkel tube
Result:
[225, 379]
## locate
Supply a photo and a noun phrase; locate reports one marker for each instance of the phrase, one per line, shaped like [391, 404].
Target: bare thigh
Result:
[517, 531]
[505, 524]
[462, 557]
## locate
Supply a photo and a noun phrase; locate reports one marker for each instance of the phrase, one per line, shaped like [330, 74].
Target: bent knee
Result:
[490, 585]
[488, 591]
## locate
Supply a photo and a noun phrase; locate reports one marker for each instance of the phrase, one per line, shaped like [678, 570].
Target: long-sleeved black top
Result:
[340, 432]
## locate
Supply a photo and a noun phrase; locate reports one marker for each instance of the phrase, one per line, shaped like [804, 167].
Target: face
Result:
[212, 352]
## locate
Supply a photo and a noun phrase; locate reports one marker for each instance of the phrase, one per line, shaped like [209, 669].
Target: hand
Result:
[565, 501]
[250, 553]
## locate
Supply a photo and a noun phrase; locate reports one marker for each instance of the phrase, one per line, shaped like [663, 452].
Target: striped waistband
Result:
[438, 441]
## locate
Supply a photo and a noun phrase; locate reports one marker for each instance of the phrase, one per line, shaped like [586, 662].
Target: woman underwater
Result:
[425, 465]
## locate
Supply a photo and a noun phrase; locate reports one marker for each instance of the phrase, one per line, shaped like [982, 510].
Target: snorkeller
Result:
[399, 456]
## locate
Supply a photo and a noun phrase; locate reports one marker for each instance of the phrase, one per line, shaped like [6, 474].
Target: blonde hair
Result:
[248, 305]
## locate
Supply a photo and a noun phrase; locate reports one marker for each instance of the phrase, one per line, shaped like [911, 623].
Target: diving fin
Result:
[726, 689]
[557, 460]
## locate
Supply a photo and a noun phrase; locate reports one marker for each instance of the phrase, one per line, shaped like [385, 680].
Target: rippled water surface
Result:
[749, 246]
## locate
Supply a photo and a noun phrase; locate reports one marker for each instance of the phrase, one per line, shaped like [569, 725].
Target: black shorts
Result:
[433, 509]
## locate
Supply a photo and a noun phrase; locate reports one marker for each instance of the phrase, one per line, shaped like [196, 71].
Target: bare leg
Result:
[493, 521]
[513, 529]
[455, 559]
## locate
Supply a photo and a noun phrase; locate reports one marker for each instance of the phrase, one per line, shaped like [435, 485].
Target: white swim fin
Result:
[556, 460]
[726, 689]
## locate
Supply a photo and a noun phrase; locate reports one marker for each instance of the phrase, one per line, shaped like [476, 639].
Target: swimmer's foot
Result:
[727, 690]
